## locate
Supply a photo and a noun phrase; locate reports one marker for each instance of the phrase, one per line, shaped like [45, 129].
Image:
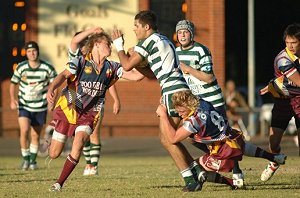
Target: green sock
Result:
[25, 154]
[86, 152]
[95, 153]
[196, 169]
[33, 153]
[188, 176]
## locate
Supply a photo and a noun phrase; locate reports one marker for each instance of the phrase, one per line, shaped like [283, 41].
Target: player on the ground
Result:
[197, 66]
[204, 124]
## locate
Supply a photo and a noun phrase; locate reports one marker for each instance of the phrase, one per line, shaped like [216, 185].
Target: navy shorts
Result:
[37, 118]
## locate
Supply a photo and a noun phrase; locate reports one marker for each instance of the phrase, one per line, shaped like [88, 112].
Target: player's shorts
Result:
[69, 130]
[223, 155]
[37, 118]
[167, 100]
[283, 111]
[63, 130]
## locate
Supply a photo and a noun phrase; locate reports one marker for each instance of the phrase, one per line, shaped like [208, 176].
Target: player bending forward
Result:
[205, 125]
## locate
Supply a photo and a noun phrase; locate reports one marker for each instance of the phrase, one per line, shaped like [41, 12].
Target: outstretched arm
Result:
[170, 132]
[132, 75]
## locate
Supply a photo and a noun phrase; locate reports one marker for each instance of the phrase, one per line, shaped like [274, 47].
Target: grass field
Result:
[125, 176]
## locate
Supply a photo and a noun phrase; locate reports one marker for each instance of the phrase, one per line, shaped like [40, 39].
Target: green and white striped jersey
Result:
[33, 85]
[163, 61]
[199, 57]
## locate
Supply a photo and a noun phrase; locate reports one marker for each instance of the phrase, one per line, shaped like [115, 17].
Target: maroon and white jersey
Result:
[83, 98]
[285, 65]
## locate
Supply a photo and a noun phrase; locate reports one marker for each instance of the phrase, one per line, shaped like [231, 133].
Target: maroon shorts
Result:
[283, 111]
[222, 155]
[68, 129]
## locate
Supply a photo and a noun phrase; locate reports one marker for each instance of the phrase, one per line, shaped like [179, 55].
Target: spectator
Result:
[235, 102]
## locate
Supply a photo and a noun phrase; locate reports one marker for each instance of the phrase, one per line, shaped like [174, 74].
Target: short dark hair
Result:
[32, 44]
[147, 17]
[292, 30]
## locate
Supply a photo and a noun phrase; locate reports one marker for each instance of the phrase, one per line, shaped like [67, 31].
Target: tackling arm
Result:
[168, 130]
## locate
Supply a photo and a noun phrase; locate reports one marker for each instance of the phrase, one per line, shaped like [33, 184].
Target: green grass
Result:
[140, 177]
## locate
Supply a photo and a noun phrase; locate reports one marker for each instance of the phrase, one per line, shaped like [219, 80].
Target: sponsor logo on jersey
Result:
[108, 73]
[88, 69]
[24, 78]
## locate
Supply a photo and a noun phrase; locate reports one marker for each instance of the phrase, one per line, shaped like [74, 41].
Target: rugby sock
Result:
[95, 154]
[196, 169]
[33, 153]
[255, 151]
[236, 168]
[218, 178]
[69, 166]
[25, 154]
[86, 152]
[188, 176]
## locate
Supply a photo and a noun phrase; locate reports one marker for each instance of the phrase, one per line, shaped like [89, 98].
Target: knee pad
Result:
[59, 137]
[85, 128]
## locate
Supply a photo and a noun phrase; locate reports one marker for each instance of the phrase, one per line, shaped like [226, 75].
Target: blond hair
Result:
[185, 99]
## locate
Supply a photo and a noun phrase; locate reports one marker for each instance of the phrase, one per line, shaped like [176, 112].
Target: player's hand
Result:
[13, 104]
[116, 34]
[130, 51]
[97, 30]
[161, 110]
[50, 97]
[184, 68]
[264, 90]
[118, 40]
[116, 108]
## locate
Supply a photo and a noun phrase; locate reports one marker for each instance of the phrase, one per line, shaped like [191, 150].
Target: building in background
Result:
[220, 24]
